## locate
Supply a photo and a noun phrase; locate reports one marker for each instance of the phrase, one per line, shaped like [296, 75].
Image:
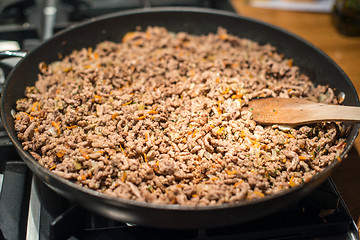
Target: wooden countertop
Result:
[317, 28]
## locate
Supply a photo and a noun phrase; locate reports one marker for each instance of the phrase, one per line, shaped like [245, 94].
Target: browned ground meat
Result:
[160, 117]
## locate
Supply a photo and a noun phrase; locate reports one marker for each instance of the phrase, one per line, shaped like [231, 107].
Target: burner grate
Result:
[321, 215]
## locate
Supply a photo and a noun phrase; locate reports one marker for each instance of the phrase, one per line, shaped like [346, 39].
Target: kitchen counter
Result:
[317, 28]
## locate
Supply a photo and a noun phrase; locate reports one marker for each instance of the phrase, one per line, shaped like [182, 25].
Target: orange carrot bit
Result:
[194, 134]
[31, 117]
[88, 66]
[223, 36]
[53, 167]
[220, 130]
[147, 35]
[290, 63]
[100, 151]
[259, 193]
[84, 154]
[123, 178]
[141, 117]
[138, 42]
[291, 182]
[35, 106]
[83, 177]
[145, 159]
[218, 161]
[121, 148]
[191, 73]
[97, 97]
[90, 50]
[66, 70]
[71, 127]
[129, 102]
[237, 183]
[289, 135]
[231, 172]
[226, 91]
[343, 144]
[128, 36]
[114, 115]
[237, 96]
[60, 154]
[153, 111]
[186, 43]
[56, 126]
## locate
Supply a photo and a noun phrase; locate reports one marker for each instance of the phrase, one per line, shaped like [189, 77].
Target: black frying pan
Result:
[320, 68]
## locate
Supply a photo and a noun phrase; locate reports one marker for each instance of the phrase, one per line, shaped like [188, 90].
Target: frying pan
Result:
[320, 68]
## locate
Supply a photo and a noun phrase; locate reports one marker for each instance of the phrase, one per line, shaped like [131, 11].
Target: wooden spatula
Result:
[289, 111]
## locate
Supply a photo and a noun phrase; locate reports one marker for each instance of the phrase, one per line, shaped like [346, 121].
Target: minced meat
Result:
[161, 117]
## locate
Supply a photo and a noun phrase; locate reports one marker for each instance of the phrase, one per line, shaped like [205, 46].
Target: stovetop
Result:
[30, 210]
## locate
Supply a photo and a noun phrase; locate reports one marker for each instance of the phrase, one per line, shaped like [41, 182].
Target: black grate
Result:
[321, 215]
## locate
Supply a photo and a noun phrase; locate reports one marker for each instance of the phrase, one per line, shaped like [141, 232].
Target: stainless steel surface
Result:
[33, 223]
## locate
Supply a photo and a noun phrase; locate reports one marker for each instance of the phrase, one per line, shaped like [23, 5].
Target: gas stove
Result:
[31, 210]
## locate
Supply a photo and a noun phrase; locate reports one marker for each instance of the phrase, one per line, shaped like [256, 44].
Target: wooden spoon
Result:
[290, 111]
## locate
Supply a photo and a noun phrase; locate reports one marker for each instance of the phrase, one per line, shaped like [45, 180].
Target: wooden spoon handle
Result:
[299, 111]
[335, 113]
